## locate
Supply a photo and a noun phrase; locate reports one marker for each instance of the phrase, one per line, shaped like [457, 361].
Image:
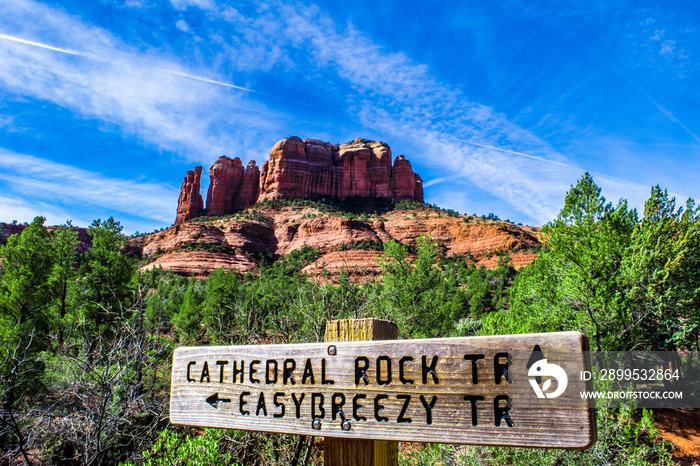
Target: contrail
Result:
[620, 180]
[211, 81]
[177, 73]
[510, 152]
[435, 181]
[674, 119]
[232, 86]
[43, 46]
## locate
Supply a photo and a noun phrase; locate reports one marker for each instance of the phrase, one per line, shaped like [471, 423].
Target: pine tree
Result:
[574, 283]
[662, 275]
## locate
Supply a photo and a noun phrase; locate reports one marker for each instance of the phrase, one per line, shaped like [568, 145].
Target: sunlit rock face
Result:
[190, 204]
[299, 168]
[311, 168]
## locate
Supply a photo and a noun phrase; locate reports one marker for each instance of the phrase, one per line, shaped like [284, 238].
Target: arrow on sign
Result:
[214, 400]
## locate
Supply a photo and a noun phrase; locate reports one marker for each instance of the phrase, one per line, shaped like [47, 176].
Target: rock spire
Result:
[299, 168]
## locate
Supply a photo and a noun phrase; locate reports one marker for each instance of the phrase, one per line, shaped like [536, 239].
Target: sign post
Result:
[511, 390]
[360, 452]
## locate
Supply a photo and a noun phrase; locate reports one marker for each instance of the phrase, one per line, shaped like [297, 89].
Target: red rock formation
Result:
[324, 168]
[248, 192]
[380, 170]
[287, 173]
[226, 176]
[308, 168]
[418, 196]
[358, 266]
[9, 229]
[232, 188]
[355, 162]
[202, 263]
[312, 168]
[190, 204]
[288, 228]
[404, 182]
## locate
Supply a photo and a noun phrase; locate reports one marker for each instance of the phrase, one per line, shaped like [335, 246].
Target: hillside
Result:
[262, 214]
[105, 318]
[350, 242]
[343, 200]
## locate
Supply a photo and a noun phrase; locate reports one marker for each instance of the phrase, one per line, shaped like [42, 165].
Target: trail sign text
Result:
[454, 390]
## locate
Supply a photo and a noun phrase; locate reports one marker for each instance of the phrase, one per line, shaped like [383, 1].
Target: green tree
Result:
[221, 313]
[25, 293]
[63, 274]
[661, 273]
[415, 294]
[574, 283]
[106, 286]
[188, 320]
[25, 323]
[166, 297]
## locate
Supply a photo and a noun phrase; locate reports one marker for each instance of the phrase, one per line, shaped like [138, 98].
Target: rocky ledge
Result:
[347, 243]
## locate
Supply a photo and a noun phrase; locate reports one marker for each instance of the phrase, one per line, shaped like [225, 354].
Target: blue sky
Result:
[499, 106]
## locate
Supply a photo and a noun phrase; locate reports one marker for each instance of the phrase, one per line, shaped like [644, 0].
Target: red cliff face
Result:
[380, 170]
[313, 168]
[405, 183]
[190, 204]
[232, 188]
[283, 229]
[287, 172]
[226, 176]
[247, 193]
[305, 168]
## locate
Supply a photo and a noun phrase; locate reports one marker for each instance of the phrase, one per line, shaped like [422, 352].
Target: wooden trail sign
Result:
[477, 390]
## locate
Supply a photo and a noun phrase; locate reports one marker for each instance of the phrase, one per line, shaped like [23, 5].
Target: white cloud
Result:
[414, 106]
[532, 187]
[182, 25]
[636, 194]
[42, 179]
[25, 210]
[388, 92]
[184, 4]
[22, 210]
[6, 122]
[125, 88]
[96, 76]
[195, 112]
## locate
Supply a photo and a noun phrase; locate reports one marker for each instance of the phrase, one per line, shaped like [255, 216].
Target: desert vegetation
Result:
[87, 339]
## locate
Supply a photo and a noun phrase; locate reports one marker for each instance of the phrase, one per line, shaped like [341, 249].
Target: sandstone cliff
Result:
[190, 205]
[348, 243]
[299, 168]
[232, 188]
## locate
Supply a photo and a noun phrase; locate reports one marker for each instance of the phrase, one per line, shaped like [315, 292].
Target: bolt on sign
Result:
[515, 390]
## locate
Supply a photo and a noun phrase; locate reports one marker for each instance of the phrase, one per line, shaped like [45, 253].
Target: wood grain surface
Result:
[406, 390]
[355, 451]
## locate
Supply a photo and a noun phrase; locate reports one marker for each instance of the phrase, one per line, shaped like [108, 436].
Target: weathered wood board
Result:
[452, 390]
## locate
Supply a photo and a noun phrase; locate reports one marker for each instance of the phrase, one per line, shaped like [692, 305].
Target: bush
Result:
[366, 245]
[622, 440]
[172, 449]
